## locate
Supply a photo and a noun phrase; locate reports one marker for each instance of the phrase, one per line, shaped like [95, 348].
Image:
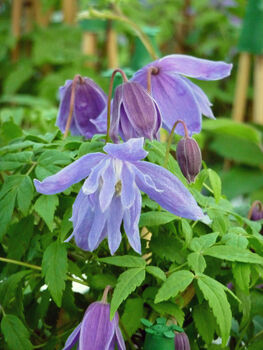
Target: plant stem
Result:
[110, 96]
[2, 310]
[175, 269]
[31, 168]
[150, 71]
[169, 142]
[36, 267]
[105, 294]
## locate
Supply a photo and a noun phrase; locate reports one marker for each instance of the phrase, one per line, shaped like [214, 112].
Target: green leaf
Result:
[45, 206]
[196, 262]
[168, 247]
[124, 261]
[241, 273]
[25, 194]
[232, 253]
[203, 242]
[187, 232]
[17, 76]
[176, 283]
[49, 163]
[9, 286]
[156, 218]
[13, 161]
[54, 269]
[215, 182]
[128, 281]
[235, 240]
[15, 333]
[156, 272]
[214, 293]
[204, 322]
[132, 307]
[168, 308]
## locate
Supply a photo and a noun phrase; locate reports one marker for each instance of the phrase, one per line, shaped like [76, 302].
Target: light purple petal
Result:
[119, 337]
[131, 220]
[175, 196]
[115, 114]
[176, 101]
[92, 182]
[97, 331]
[108, 186]
[131, 150]
[128, 186]
[194, 67]
[73, 338]
[113, 224]
[201, 99]
[70, 175]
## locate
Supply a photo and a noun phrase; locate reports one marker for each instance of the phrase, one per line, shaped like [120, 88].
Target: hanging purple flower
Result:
[111, 194]
[88, 102]
[182, 342]
[134, 113]
[96, 331]
[176, 96]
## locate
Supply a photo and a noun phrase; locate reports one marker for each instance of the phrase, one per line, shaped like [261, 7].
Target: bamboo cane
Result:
[16, 28]
[258, 90]
[112, 47]
[69, 8]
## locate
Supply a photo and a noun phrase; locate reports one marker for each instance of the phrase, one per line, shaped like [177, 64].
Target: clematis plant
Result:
[96, 331]
[111, 194]
[176, 96]
[81, 103]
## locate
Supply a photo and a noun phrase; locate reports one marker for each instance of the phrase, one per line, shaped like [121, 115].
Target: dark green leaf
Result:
[156, 218]
[124, 261]
[45, 206]
[156, 272]
[25, 194]
[13, 161]
[132, 307]
[204, 322]
[196, 262]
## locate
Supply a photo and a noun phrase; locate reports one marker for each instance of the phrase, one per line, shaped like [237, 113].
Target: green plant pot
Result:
[156, 342]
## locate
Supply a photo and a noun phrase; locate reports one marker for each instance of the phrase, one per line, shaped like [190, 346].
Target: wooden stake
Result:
[16, 26]
[241, 87]
[258, 90]
[112, 47]
[89, 46]
[42, 18]
[69, 8]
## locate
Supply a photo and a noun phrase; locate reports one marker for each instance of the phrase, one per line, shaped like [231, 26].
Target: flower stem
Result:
[152, 70]
[104, 298]
[36, 267]
[72, 102]
[2, 310]
[169, 142]
[175, 269]
[254, 204]
[118, 70]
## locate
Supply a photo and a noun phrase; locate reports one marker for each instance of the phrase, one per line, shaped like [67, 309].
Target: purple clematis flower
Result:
[134, 113]
[89, 102]
[111, 194]
[96, 331]
[176, 96]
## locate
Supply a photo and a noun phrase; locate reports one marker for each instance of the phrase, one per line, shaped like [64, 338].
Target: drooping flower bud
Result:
[81, 103]
[135, 113]
[256, 212]
[182, 342]
[189, 157]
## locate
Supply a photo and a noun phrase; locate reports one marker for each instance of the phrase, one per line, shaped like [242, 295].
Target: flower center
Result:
[118, 187]
[117, 163]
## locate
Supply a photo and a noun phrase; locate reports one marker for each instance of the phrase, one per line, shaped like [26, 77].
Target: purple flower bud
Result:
[88, 101]
[134, 114]
[182, 342]
[189, 158]
[256, 212]
[96, 331]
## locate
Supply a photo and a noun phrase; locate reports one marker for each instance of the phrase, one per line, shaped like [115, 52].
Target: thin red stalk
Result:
[105, 294]
[150, 71]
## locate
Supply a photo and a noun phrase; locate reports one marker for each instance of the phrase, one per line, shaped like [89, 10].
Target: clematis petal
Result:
[115, 115]
[128, 186]
[92, 182]
[131, 220]
[176, 101]
[201, 99]
[175, 196]
[97, 331]
[70, 175]
[131, 150]
[118, 334]
[113, 224]
[194, 67]
[108, 186]
[73, 338]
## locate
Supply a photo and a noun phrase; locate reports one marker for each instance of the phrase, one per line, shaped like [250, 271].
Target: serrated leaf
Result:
[235, 240]
[15, 333]
[196, 262]
[200, 243]
[215, 182]
[132, 307]
[176, 283]
[167, 308]
[25, 194]
[204, 322]
[168, 247]
[232, 253]
[54, 269]
[13, 161]
[50, 162]
[241, 273]
[214, 293]
[45, 206]
[124, 261]
[187, 232]
[9, 286]
[156, 272]
[156, 218]
[126, 284]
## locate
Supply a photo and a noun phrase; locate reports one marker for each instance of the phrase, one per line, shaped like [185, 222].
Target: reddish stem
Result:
[105, 294]
[150, 71]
